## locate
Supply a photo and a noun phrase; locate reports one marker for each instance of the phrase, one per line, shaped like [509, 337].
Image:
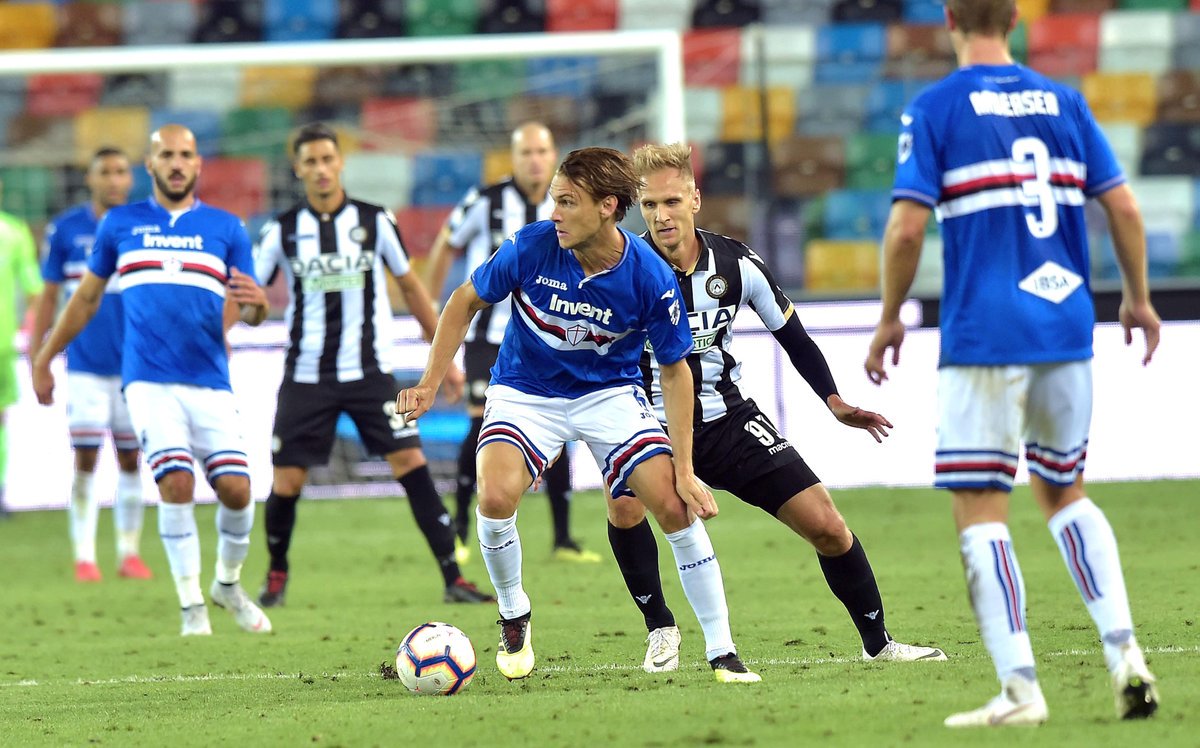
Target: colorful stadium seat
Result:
[382, 177]
[160, 22]
[832, 109]
[789, 55]
[808, 166]
[815, 12]
[441, 17]
[850, 52]
[918, 51]
[134, 89]
[346, 85]
[1136, 41]
[204, 124]
[224, 21]
[288, 86]
[702, 107]
[419, 227]
[441, 178]
[238, 185]
[88, 25]
[28, 192]
[1066, 44]
[675, 15]
[856, 214]
[257, 132]
[870, 161]
[370, 19]
[1169, 149]
[512, 17]
[27, 25]
[1179, 96]
[561, 76]
[213, 88]
[581, 15]
[300, 20]
[711, 57]
[831, 265]
[742, 109]
[395, 123]
[730, 168]
[1121, 97]
[718, 14]
[62, 94]
[867, 11]
[127, 128]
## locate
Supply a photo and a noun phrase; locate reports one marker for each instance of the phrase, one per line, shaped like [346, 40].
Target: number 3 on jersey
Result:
[1039, 188]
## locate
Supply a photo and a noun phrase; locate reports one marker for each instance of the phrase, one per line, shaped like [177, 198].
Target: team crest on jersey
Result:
[358, 234]
[576, 334]
[172, 266]
[904, 147]
[716, 286]
[674, 312]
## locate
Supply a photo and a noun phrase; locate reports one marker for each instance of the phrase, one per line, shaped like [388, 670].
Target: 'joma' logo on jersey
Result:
[544, 281]
[162, 241]
[332, 264]
[582, 308]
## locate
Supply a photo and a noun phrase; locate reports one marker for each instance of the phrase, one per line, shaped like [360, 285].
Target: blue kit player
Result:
[1006, 158]
[181, 264]
[95, 405]
[587, 296]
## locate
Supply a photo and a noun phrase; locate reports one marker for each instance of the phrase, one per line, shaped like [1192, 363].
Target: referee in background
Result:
[480, 223]
[335, 253]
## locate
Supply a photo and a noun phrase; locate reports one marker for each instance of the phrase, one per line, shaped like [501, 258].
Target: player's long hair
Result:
[603, 172]
[983, 17]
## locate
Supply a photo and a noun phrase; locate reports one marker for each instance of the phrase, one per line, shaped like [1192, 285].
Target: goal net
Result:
[420, 122]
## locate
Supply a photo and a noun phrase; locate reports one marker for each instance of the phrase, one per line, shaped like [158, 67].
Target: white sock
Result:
[1089, 549]
[500, 546]
[233, 541]
[177, 527]
[127, 514]
[84, 512]
[700, 575]
[998, 596]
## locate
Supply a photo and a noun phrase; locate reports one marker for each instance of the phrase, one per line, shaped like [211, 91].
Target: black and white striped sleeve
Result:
[468, 219]
[389, 245]
[268, 253]
[762, 293]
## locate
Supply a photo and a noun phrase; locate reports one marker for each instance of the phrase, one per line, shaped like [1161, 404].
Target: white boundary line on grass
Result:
[225, 677]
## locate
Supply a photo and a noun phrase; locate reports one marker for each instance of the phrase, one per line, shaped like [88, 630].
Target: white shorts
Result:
[176, 422]
[616, 423]
[95, 406]
[986, 412]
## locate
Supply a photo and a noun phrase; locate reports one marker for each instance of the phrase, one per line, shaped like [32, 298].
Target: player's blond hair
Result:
[654, 156]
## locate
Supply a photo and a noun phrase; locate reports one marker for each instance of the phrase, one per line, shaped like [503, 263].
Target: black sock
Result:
[558, 488]
[467, 477]
[637, 555]
[433, 519]
[851, 580]
[279, 520]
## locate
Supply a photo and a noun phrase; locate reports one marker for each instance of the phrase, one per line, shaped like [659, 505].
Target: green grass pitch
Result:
[104, 664]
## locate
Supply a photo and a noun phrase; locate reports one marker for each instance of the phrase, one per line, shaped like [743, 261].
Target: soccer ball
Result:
[435, 659]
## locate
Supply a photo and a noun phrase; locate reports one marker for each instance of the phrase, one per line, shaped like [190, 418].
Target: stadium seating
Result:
[1136, 41]
[729, 167]
[831, 265]
[441, 178]
[807, 166]
[160, 22]
[299, 20]
[213, 88]
[288, 86]
[788, 56]
[370, 19]
[742, 108]
[711, 57]
[381, 177]
[225, 21]
[391, 123]
[238, 185]
[58, 95]
[205, 124]
[134, 89]
[127, 128]
[259, 132]
[870, 161]
[27, 191]
[1121, 97]
[581, 15]
[512, 16]
[850, 52]
[88, 25]
[27, 25]
[1065, 44]
[856, 214]
[440, 17]
[872, 11]
[675, 15]
[725, 13]
[1170, 149]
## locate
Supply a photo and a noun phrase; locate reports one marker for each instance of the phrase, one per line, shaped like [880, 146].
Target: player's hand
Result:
[245, 290]
[414, 402]
[43, 384]
[887, 335]
[695, 494]
[873, 423]
[454, 385]
[1144, 316]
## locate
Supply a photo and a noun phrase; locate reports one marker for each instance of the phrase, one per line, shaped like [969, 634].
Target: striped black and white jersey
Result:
[338, 314]
[478, 226]
[728, 275]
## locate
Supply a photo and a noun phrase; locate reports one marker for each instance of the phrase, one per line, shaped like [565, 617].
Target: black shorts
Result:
[306, 418]
[479, 356]
[743, 453]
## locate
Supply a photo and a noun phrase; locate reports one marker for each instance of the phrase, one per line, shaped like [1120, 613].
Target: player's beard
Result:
[174, 196]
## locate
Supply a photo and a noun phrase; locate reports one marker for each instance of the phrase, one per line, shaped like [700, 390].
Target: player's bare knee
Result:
[625, 513]
[85, 460]
[177, 487]
[233, 490]
[127, 460]
[288, 481]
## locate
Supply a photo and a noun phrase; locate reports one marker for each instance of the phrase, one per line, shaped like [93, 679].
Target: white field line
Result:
[604, 668]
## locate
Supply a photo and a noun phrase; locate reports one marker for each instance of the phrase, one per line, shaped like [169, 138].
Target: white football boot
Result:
[1020, 703]
[662, 650]
[234, 599]
[195, 621]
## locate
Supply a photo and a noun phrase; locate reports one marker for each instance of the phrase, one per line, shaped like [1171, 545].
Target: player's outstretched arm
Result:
[902, 241]
[873, 423]
[78, 312]
[441, 257]
[678, 401]
[1129, 243]
[415, 401]
[416, 297]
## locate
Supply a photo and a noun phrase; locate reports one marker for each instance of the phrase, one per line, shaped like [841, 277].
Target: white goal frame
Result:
[667, 107]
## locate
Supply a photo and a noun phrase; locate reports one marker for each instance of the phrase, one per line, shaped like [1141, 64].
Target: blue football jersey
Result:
[571, 334]
[69, 238]
[1006, 157]
[173, 269]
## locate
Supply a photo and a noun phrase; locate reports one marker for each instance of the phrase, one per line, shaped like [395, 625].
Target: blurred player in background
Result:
[1007, 158]
[181, 263]
[587, 296]
[18, 271]
[737, 448]
[477, 227]
[336, 254]
[95, 404]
